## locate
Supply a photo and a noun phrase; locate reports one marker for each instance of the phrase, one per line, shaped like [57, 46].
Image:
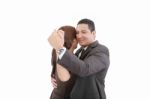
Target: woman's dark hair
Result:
[70, 35]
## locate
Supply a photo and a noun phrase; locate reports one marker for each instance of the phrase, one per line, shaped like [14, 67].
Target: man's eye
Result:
[83, 32]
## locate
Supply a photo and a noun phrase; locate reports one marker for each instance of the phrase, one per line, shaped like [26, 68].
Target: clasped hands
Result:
[56, 39]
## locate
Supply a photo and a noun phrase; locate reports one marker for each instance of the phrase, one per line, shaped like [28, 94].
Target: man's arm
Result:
[89, 66]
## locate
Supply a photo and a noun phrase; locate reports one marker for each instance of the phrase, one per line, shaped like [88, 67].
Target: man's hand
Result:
[56, 39]
[54, 83]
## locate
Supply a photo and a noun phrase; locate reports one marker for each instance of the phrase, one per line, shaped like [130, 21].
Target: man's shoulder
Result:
[96, 44]
[100, 48]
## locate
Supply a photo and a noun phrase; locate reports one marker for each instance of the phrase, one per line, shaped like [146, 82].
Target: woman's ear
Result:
[74, 45]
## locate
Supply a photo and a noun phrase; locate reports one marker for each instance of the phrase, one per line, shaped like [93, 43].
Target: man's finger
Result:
[53, 79]
[54, 83]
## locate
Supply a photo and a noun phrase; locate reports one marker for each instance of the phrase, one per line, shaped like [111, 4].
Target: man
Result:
[90, 66]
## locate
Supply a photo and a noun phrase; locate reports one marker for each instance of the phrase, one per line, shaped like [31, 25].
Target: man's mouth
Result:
[80, 40]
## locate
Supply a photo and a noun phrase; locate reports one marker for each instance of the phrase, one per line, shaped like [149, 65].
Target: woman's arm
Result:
[63, 73]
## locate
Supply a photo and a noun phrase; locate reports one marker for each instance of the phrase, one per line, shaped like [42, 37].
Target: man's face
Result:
[84, 35]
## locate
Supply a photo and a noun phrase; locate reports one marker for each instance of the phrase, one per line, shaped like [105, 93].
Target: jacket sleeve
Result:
[90, 65]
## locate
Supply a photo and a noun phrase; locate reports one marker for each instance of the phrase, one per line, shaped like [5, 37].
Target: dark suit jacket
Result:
[90, 69]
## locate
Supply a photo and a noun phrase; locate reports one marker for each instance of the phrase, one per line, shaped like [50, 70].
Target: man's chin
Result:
[82, 44]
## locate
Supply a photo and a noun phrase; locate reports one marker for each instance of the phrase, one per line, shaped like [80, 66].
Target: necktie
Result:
[82, 53]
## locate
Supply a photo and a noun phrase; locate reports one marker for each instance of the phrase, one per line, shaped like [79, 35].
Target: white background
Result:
[122, 25]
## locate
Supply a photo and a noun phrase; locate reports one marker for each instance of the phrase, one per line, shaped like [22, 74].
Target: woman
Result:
[64, 78]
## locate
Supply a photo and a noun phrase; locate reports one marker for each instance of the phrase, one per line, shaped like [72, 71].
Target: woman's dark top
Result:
[63, 89]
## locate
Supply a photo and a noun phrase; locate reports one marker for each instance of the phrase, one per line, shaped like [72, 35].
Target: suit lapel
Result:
[78, 51]
[84, 54]
[90, 47]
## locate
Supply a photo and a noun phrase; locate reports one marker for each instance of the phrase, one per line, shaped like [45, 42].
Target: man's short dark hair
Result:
[89, 22]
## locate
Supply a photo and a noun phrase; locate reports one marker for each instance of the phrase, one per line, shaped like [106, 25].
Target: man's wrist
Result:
[61, 52]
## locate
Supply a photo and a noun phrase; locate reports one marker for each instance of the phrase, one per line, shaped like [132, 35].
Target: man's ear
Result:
[94, 33]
